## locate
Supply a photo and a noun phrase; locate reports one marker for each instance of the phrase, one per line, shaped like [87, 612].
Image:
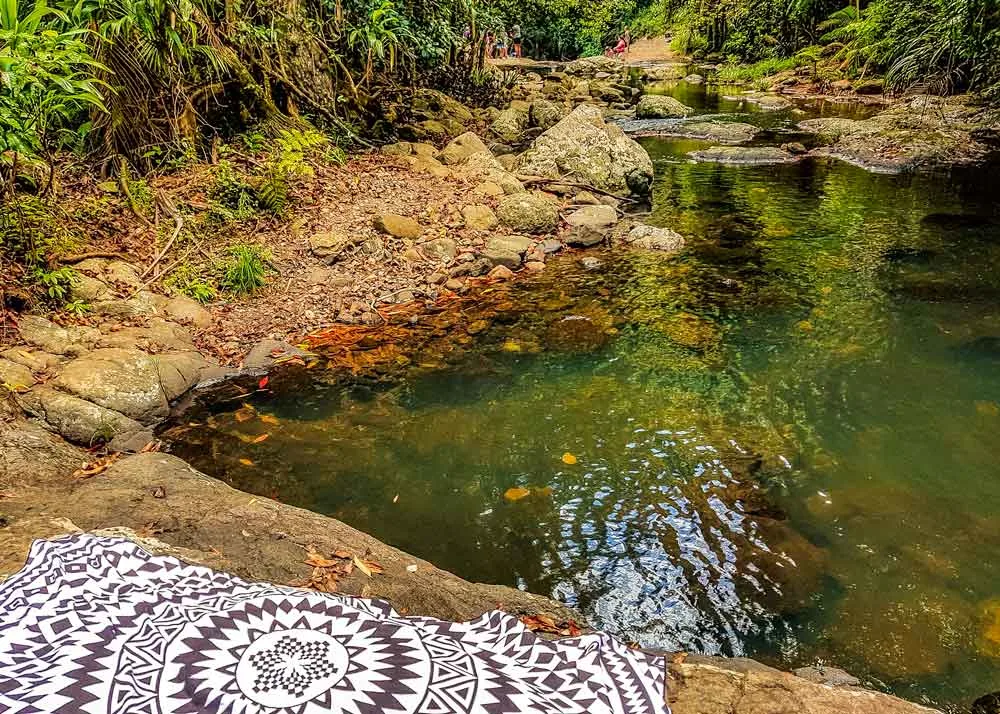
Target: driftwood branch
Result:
[169, 207]
[124, 184]
[80, 257]
[545, 181]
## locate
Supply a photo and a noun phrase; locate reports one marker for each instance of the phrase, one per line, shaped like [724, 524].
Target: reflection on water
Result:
[784, 439]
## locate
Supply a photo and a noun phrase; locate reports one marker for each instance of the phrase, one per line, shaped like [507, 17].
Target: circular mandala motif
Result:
[290, 667]
[294, 654]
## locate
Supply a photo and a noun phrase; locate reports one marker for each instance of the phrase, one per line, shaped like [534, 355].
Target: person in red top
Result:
[620, 47]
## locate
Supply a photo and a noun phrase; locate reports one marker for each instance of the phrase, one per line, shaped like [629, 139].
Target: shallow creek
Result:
[781, 443]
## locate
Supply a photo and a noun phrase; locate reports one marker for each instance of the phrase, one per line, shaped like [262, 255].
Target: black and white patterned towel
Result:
[98, 625]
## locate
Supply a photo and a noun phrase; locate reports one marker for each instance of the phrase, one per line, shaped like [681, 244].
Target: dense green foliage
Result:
[939, 45]
[151, 80]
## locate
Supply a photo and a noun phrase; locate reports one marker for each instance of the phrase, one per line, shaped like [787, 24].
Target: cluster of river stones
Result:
[915, 132]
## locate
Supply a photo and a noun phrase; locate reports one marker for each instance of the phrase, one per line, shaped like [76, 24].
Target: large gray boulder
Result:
[582, 147]
[656, 106]
[75, 419]
[528, 212]
[123, 380]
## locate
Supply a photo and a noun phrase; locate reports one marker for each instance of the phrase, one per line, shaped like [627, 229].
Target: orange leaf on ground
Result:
[315, 559]
[544, 623]
[568, 458]
[246, 462]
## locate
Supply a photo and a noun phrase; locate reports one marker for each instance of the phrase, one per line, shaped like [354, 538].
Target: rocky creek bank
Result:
[77, 432]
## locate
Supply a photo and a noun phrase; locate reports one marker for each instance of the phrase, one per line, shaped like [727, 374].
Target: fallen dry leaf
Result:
[316, 560]
[262, 437]
[516, 493]
[568, 458]
[544, 623]
[246, 462]
[96, 467]
[368, 567]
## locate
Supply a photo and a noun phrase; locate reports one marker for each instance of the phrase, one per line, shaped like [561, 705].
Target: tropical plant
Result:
[48, 84]
[244, 268]
[380, 37]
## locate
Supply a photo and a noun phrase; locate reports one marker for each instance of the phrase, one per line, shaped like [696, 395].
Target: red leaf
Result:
[263, 382]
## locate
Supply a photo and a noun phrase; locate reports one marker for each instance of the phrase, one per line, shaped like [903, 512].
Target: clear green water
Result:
[786, 437]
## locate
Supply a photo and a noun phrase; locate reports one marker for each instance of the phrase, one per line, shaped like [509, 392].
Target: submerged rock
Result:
[652, 238]
[582, 147]
[767, 102]
[987, 704]
[745, 155]
[656, 106]
[722, 132]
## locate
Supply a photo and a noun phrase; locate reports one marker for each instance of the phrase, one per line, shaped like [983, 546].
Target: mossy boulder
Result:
[528, 211]
[510, 124]
[656, 106]
[583, 148]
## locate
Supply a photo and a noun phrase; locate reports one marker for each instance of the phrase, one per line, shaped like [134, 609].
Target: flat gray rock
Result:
[745, 155]
[123, 380]
[50, 337]
[75, 419]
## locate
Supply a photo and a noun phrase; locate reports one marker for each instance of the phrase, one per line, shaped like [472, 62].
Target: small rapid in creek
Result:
[780, 443]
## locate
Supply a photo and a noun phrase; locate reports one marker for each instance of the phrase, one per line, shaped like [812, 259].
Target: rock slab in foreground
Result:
[253, 537]
[583, 148]
[704, 685]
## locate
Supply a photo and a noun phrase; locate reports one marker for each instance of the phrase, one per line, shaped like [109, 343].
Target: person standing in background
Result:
[627, 37]
[501, 44]
[515, 39]
[489, 42]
